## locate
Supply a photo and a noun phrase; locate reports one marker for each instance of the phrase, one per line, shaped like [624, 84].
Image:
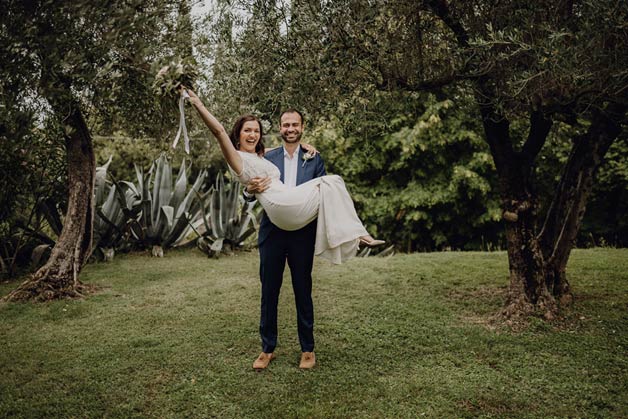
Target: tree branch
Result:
[423, 85]
[563, 218]
[539, 128]
[441, 9]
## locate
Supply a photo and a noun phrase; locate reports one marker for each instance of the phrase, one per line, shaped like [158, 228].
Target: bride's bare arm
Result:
[308, 147]
[228, 150]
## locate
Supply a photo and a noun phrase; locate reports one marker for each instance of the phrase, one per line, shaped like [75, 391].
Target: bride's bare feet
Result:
[369, 241]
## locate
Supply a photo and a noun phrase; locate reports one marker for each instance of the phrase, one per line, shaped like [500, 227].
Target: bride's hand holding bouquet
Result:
[169, 84]
[173, 75]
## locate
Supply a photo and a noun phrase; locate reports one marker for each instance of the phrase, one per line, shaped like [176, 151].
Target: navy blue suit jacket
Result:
[305, 171]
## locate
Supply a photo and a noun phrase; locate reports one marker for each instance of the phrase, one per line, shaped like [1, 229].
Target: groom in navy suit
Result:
[276, 246]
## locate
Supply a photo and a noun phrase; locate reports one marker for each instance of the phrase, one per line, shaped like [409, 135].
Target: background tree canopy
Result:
[361, 72]
[544, 85]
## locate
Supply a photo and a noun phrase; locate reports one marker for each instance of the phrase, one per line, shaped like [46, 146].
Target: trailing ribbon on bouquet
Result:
[182, 127]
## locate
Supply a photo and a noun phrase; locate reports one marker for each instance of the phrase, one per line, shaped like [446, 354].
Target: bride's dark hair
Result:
[237, 127]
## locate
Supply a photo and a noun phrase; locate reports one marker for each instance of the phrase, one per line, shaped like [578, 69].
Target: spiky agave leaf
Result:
[186, 211]
[117, 206]
[228, 219]
[167, 209]
[100, 183]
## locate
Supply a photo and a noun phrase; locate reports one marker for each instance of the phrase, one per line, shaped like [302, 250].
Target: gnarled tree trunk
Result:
[538, 260]
[564, 217]
[528, 292]
[58, 278]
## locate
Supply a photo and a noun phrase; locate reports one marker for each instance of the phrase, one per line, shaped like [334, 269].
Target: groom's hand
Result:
[258, 185]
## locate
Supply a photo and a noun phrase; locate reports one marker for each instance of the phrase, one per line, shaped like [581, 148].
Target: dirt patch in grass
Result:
[480, 305]
[485, 294]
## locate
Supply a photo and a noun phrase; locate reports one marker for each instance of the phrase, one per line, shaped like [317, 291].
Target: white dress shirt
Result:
[290, 167]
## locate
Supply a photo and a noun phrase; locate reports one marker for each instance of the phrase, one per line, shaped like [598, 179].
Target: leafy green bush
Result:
[33, 191]
[428, 185]
[605, 221]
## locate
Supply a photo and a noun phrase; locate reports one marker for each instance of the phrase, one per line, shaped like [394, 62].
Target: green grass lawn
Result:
[403, 337]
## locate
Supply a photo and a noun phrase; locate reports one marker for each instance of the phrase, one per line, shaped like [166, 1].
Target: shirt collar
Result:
[287, 155]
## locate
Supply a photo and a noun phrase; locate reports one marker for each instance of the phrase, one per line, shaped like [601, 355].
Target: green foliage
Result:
[167, 209]
[430, 184]
[95, 55]
[356, 69]
[606, 221]
[228, 219]
[411, 174]
[560, 57]
[32, 169]
[64, 56]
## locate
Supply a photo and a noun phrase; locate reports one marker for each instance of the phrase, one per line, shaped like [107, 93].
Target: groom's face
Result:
[291, 127]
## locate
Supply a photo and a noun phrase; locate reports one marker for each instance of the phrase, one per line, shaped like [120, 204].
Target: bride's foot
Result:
[369, 241]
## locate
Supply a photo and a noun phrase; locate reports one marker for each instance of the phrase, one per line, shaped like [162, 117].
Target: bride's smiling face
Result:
[249, 136]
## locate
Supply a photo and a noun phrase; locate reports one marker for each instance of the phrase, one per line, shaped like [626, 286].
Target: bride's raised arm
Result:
[228, 150]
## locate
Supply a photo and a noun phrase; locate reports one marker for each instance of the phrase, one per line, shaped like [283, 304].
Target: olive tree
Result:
[89, 64]
[530, 65]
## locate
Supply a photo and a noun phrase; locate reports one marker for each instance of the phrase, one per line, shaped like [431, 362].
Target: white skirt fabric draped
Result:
[338, 227]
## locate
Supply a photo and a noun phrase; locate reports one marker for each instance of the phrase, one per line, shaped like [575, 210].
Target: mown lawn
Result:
[401, 337]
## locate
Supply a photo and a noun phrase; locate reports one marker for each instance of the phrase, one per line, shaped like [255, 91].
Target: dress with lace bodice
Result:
[338, 229]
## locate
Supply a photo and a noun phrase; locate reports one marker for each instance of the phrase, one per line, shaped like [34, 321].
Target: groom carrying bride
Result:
[297, 247]
[294, 196]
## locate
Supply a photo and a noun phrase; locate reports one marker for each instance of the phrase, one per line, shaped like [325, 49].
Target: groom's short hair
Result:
[292, 110]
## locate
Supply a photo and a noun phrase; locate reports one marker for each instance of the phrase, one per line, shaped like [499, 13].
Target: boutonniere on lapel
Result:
[307, 156]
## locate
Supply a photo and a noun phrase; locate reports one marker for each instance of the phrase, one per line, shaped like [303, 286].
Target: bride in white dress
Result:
[339, 231]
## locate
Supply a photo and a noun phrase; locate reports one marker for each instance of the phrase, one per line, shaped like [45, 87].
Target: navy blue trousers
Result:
[297, 248]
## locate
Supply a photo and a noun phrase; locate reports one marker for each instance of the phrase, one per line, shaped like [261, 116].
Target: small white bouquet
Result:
[168, 80]
[174, 74]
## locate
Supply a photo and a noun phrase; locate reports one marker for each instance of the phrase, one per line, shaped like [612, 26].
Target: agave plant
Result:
[227, 218]
[167, 211]
[367, 251]
[21, 246]
[39, 232]
[117, 207]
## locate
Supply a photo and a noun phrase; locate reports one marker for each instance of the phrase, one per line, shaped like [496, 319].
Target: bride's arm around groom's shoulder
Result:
[319, 166]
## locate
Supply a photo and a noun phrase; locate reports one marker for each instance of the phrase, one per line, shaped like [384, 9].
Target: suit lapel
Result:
[300, 167]
[278, 161]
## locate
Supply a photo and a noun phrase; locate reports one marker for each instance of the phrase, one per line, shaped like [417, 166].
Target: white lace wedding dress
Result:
[338, 228]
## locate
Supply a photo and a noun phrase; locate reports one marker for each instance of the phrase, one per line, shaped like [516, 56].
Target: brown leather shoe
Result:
[308, 360]
[263, 360]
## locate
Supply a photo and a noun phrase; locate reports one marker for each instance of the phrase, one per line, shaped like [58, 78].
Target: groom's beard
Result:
[293, 140]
